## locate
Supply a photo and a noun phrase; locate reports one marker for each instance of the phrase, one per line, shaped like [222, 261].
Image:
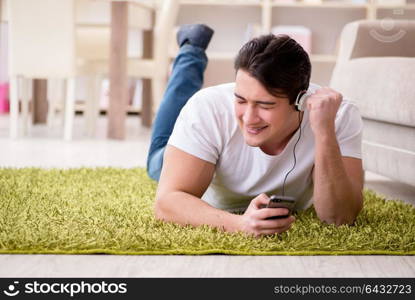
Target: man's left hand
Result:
[323, 106]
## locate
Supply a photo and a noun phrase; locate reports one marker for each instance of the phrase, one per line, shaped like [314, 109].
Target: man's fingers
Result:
[260, 201]
[258, 222]
[271, 212]
[276, 223]
[277, 230]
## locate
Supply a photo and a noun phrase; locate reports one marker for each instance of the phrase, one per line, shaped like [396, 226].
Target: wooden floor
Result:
[44, 149]
[205, 266]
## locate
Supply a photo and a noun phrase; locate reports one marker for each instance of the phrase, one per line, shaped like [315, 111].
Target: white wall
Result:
[3, 53]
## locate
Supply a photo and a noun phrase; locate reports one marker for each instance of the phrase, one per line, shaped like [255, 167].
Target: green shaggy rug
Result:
[110, 210]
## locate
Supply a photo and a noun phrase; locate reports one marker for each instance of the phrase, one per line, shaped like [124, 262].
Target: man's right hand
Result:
[254, 222]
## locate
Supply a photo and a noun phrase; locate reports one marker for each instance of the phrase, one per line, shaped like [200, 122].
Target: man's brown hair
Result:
[279, 63]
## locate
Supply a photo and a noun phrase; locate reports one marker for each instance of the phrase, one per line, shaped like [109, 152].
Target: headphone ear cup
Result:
[299, 103]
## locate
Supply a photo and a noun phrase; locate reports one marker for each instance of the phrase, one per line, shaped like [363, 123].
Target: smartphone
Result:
[281, 202]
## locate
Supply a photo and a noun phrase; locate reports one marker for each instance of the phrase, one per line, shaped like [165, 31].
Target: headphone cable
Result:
[295, 158]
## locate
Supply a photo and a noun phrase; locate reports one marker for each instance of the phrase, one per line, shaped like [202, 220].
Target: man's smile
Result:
[255, 130]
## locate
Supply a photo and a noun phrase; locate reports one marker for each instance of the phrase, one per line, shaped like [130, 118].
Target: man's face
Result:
[265, 120]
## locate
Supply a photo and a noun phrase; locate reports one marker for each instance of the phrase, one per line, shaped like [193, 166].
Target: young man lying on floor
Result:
[225, 149]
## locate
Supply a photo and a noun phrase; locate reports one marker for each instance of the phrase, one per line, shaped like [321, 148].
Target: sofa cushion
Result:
[389, 149]
[398, 136]
[382, 87]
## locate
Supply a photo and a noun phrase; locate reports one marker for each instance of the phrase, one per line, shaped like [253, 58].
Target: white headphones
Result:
[299, 103]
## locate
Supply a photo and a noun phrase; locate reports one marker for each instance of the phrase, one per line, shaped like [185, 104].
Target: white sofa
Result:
[376, 69]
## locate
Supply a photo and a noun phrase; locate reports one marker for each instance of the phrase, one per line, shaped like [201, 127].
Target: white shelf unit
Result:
[230, 19]
[80, 107]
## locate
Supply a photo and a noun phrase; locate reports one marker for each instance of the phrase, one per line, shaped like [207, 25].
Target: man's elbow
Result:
[158, 214]
[338, 221]
[342, 218]
[159, 211]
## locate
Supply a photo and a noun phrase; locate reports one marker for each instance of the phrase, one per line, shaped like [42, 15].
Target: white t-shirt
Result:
[207, 128]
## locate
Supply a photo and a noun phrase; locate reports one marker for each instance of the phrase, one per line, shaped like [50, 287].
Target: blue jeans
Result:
[185, 80]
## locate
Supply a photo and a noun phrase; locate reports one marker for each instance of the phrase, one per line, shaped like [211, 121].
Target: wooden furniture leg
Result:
[40, 103]
[118, 93]
[147, 96]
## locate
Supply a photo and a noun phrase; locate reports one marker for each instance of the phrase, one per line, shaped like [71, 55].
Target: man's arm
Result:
[338, 183]
[183, 181]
